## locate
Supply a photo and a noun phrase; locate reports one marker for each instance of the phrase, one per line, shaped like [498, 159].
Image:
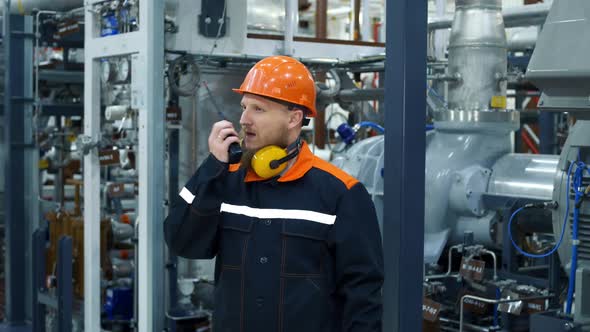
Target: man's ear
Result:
[295, 117]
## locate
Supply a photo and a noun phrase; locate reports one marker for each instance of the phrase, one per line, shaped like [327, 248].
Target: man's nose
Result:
[244, 118]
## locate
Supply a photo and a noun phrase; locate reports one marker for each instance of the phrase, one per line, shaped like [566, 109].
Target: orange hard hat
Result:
[282, 78]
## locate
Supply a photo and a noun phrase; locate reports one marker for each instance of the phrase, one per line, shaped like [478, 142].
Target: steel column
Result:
[152, 120]
[547, 132]
[172, 262]
[14, 200]
[403, 217]
[146, 47]
[64, 285]
[38, 266]
[92, 292]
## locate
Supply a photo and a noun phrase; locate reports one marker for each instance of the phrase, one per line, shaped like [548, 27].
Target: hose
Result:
[579, 196]
[180, 66]
[370, 124]
[567, 208]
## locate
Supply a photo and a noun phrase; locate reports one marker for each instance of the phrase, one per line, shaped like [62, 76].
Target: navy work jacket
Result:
[297, 253]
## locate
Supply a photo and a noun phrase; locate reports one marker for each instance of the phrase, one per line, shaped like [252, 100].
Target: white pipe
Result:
[521, 39]
[520, 16]
[441, 37]
[493, 254]
[366, 31]
[531, 133]
[26, 7]
[291, 22]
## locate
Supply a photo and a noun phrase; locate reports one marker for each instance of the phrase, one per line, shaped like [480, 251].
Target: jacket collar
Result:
[303, 164]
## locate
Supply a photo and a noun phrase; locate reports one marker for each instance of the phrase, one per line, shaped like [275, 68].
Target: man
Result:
[298, 250]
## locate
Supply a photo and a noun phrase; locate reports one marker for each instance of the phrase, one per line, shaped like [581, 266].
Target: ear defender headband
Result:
[271, 160]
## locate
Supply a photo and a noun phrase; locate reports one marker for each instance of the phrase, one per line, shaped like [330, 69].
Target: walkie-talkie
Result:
[235, 150]
[234, 153]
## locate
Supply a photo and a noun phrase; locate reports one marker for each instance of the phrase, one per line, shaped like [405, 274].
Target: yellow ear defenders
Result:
[271, 160]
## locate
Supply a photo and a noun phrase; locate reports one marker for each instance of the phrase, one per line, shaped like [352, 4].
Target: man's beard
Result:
[248, 154]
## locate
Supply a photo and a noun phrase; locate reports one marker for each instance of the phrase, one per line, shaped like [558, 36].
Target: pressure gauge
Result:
[107, 71]
[123, 70]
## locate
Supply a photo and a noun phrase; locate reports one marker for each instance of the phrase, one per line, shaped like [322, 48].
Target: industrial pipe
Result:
[524, 176]
[477, 54]
[450, 263]
[494, 301]
[353, 95]
[366, 24]
[291, 23]
[513, 17]
[523, 40]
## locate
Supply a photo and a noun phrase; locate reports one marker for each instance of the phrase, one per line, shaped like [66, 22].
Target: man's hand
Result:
[222, 135]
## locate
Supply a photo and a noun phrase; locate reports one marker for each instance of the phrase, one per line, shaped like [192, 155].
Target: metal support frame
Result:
[510, 265]
[64, 285]
[552, 321]
[582, 300]
[147, 49]
[63, 299]
[18, 185]
[547, 135]
[403, 216]
[492, 301]
[38, 265]
[172, 261]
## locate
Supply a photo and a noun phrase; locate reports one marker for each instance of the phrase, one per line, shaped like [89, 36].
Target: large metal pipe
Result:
[526, 176]
[477, 55]
[523, 40]
[513, 17]
[459, 155]
[291, 21]
[366, 31]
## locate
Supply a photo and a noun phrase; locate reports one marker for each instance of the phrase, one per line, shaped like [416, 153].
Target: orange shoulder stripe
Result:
[234, 167]
[346, 178]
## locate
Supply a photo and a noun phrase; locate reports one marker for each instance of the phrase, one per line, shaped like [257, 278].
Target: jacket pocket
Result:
[235, 232]
[304, 247]
[305, 305]
[228, 315]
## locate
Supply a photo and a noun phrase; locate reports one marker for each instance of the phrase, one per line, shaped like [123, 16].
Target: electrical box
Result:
[212, 21]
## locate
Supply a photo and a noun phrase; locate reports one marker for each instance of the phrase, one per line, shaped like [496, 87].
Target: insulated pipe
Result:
[513, 17]
[366, 25]
[291, 18]
[477, 55]
[524, 176]
[523, 40]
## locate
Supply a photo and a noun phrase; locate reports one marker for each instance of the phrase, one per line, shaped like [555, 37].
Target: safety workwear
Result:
[299, 252]
[282, 78]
